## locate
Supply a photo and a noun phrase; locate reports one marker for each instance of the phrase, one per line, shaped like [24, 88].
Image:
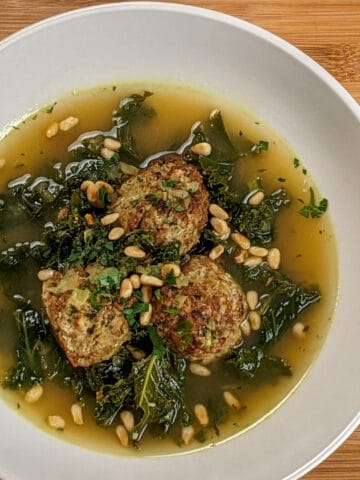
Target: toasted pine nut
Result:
[92, 194]
[201, 414]
[255, 320]
[109, 219]
[45, 274]
[170, 267]
[127, 419]
[220, 226]
[241, 256]
[76, 413]
[252, 262]
[151, 281]
[85, 184]
[34, 394]
[187, 434]
[258, 251]
[106, 153]
[122, 435]
[135, 281]
[111, 143]
[231, 400]
[145, 317]
[68, 123]
[241, 240]
[108, 188]
[128, 169]
[202, 148]
[252, 299]
[89, 219]
[218, 212]
[52, 130]
[216, 252]
[126, 288]
[116, 233]
[256, 198]
[146, 292]
[245, 327]
[137, 353]
[274, 258]
[298, 330]
[200, 370]
[134, 252]
[56, 421]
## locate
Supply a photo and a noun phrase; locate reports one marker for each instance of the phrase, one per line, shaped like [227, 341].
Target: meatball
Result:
[167, 199]
[201, 321]
[87, 335]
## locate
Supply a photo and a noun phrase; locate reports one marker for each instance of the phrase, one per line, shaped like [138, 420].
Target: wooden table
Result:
[327, 30]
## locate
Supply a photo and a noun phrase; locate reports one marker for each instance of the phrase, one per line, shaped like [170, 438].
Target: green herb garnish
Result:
[312, 210]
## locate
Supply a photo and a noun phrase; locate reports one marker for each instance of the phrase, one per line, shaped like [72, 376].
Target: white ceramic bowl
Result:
[279, 84]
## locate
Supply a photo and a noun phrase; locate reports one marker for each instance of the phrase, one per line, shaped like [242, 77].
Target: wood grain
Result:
[327, 30]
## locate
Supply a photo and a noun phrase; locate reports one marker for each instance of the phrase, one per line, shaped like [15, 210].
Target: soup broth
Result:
[307, 246]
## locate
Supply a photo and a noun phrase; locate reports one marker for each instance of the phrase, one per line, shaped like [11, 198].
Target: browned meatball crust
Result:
[201, 321]
[86, 335]
[168, 199]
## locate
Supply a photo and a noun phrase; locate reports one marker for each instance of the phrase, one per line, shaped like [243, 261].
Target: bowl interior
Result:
[137, 42]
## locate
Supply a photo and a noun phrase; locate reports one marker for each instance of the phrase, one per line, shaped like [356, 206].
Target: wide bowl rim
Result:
[307, 62]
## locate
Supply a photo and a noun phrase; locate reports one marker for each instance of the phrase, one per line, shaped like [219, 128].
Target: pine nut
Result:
[187, 434]
[255, 320]
[92, 194]
[151, 281]
[2, 162]
[85, 184]
[122, 435]
[89, 219]
[246, 328]
[106, 153]
[298, 330]
[108, 188]
[45, 274]
[68, 123]
[76, 413]
[220, 226]
[216, 252]
[274, 258]
[252, 262]
[128, 169]
[241, 240]
[231, 400]
[241, 256]
[137, 353]
[258, 251]
[200, 370]
[201, 414]
[52, 130]
[170, 267]
[116, 233]
[109, 219]
[134, 252]
[252, 299]
[135, 281]
[257, 198]
[126, 288]
[145, 317]
[34, 394]
[218, 212]
[202, 148]
[128, 420]
[56, 421]
[112, 144]
[146, 292]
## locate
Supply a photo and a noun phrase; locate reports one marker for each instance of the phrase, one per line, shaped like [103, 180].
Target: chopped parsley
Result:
[312, 210]
[296, 162]
[180, 208]
[170, 183]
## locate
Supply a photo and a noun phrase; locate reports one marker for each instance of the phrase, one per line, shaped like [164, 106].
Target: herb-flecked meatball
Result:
[201, 320]
[87, 334]
[167, 199]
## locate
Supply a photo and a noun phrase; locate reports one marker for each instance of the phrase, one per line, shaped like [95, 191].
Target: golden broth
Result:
[307, 246]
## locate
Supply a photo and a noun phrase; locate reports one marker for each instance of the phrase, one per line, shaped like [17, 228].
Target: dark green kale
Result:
[254, 365]
[14, 256]
[312, 210]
